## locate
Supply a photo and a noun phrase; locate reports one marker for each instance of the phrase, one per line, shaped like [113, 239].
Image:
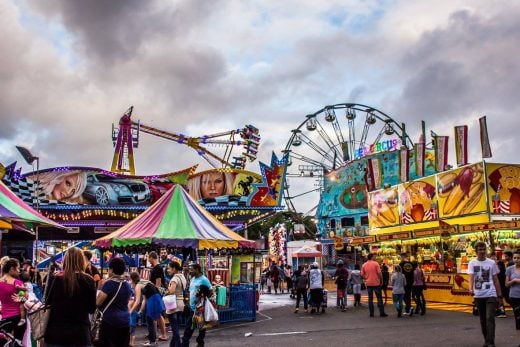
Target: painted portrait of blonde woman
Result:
[211, 184]
[64, 186]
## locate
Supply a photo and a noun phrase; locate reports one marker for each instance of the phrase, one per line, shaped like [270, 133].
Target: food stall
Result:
[438, 219]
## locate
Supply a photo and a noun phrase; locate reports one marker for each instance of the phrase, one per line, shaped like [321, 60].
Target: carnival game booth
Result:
[438, 219]
[176, 221]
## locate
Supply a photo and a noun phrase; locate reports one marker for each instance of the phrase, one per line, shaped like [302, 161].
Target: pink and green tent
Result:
[16, 214]
[175, 220]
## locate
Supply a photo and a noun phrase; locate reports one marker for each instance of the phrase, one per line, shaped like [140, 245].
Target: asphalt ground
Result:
[277, 325]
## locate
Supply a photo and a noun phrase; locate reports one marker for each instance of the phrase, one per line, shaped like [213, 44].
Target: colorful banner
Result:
[419, 159]
[418, 201]
[68, 186]
[404, 164]
[484, 139]
[504, 188]
[461, 144]
[374, 173]
[383, 208]
[441, 153]
[461, 191]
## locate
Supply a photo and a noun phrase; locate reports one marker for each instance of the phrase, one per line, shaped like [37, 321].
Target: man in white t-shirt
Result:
[484, 286]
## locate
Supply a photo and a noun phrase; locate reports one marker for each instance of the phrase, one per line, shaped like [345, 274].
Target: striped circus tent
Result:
[16, 214]
[175, 220]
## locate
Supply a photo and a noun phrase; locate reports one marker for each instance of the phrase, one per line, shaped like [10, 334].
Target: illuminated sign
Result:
[361, 240]
[387, 145]
[390, 237]
[491, 226]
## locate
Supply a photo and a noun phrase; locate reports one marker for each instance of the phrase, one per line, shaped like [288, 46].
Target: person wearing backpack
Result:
[341, 276]
[301, 284]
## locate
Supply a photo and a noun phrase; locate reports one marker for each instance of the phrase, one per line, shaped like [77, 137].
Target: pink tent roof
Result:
[306, 252]
[14, 211]
[176, 220]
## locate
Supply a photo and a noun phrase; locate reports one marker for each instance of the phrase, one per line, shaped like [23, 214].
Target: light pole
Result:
[30, 159]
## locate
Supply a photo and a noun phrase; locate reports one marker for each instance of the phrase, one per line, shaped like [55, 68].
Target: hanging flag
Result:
[461, 144]
[441, 153]
[374, 173]
[484, 139]
[404, 164]
[419, 159]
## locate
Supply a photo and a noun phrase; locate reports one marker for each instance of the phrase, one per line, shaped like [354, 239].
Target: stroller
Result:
[323, 302]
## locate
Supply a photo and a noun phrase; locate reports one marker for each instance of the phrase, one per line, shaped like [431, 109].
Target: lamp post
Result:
[30, 159]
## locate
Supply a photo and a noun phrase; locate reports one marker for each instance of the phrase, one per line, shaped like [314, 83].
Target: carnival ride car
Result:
[107, 190]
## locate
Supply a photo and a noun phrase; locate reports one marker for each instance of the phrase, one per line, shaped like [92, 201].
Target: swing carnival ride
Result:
[126, 138]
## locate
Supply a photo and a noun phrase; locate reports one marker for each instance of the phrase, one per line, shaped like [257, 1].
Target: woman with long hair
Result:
[65, 186]
[72, 296]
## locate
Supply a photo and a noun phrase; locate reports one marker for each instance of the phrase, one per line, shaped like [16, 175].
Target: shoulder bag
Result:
[97, 317]
[39, 313]
[170, 300]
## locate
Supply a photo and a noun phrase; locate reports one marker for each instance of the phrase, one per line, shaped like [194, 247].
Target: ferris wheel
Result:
[335, 136]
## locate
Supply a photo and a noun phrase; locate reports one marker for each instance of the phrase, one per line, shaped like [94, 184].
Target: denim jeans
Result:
[377, 290]
[397, 299]
[174, 324]
[486, 312]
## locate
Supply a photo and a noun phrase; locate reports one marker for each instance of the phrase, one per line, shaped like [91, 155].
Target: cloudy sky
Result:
[69, 69]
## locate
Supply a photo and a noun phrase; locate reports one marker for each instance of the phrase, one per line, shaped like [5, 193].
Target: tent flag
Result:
[461, 144]
[13, 209]
[175, 220]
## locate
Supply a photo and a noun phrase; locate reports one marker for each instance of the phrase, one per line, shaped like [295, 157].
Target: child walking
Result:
[356, 280]
[398, 282]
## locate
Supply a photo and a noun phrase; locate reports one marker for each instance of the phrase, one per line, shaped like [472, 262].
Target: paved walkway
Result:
[277, 325]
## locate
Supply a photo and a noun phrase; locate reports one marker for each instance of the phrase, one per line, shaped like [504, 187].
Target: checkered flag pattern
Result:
[25, 188]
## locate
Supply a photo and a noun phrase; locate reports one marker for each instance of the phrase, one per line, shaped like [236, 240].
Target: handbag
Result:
[170, 302]
[39, 313]
[97, 317]
[39, 318]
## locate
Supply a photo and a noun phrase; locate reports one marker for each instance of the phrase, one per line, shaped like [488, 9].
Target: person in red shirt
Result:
[371, 273]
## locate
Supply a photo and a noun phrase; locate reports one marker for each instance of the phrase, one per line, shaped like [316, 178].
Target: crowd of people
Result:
[492, 282]
[75, 289]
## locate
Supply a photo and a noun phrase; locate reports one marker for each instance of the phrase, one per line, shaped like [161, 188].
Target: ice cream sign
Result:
[381, 146]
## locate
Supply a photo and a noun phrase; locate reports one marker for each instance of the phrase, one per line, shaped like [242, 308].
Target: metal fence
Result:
[241, 306]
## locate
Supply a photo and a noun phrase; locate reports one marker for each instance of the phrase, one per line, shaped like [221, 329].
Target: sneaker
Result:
[500, 313]
[296, 311]
[383, 315]
[149, 344]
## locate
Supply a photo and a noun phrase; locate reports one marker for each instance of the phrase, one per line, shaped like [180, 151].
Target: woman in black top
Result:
[72, 296]
[113, 301]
